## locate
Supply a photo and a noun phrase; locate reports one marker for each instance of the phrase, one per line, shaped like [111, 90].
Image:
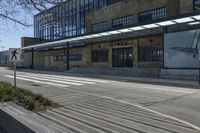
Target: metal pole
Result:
[199, 64]
[32, 60]
[199, 73]
[67, 58]
[15, 82]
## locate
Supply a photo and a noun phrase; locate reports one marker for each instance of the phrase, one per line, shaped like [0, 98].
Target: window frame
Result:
[155, 11]
[143, 56]
[99, 24]
[123, 21]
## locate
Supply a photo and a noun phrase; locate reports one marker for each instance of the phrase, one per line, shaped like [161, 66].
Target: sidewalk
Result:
[147, 80]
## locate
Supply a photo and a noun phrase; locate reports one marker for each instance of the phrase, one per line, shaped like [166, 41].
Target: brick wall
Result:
[133, 7]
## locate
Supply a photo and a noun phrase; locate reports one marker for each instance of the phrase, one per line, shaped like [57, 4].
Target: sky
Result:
[11, 33]
[10, 37]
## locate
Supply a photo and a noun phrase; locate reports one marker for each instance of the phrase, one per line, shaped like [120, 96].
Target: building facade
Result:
[79, 17]
[4, 58]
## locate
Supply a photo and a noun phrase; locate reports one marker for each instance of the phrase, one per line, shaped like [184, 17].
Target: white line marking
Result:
[47, 77]
[70, 77]
[36, 81]
[55, 81]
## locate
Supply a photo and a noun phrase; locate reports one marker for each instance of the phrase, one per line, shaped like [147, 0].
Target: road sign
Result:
[14, 54]
[15, 57]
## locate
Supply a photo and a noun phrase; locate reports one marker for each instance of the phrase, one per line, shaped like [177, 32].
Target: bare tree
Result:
[16, 10]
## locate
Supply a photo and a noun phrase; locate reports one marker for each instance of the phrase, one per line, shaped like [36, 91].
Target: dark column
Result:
[67, 56]
[165, 30]
[32, 58]
[199, 65]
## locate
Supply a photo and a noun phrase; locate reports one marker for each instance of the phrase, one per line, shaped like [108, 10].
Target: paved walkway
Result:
[84, 112]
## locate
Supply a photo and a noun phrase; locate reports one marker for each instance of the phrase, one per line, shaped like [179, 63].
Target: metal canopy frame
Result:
[188, 18]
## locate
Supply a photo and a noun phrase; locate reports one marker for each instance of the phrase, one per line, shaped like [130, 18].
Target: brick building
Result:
[75, 18]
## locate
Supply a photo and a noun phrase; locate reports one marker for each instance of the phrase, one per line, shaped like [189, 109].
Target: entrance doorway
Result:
[122, 57]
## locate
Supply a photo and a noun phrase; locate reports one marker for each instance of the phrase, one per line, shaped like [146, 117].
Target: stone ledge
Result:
[16, 119]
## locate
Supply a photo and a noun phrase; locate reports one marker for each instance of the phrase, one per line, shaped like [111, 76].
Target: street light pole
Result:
[199, 65]
[15, 69]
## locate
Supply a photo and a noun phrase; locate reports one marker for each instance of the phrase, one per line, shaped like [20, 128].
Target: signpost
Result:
[198, 47]
[15, 57]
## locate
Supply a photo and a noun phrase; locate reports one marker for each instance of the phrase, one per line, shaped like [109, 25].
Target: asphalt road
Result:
[100, 105]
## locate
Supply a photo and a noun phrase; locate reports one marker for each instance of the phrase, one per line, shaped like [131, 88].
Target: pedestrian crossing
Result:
[55, 80]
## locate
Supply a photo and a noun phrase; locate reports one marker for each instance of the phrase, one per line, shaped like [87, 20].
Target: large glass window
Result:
[122, 21]
[100, 55]
[151, 53]
[153, 14]
[65, 20]
[100, 26]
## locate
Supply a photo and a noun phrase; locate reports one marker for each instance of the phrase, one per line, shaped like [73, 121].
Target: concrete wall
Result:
[11, 125]
[28, 41]
[186, 6]
[178, 50]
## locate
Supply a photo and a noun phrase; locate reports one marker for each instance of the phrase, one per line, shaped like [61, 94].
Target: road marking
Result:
[70, 77]
[48, 77]
[40, 82]
[55, 81]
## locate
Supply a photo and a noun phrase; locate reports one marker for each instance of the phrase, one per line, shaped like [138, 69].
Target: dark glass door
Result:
[123, 57]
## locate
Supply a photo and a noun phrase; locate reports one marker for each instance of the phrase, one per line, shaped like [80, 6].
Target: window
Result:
[151, 53]
[196, 5]
[72, 57]
[123, 21]
[100, 26]
[153, 14]
[100, 55]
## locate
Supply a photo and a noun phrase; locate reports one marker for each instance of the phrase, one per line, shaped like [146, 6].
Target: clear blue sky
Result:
[11, 33]
[11, 38]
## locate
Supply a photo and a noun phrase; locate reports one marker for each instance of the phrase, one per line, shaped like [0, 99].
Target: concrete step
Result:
[142, 121]
[16, 119]
[180, 74]
[129, 72]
